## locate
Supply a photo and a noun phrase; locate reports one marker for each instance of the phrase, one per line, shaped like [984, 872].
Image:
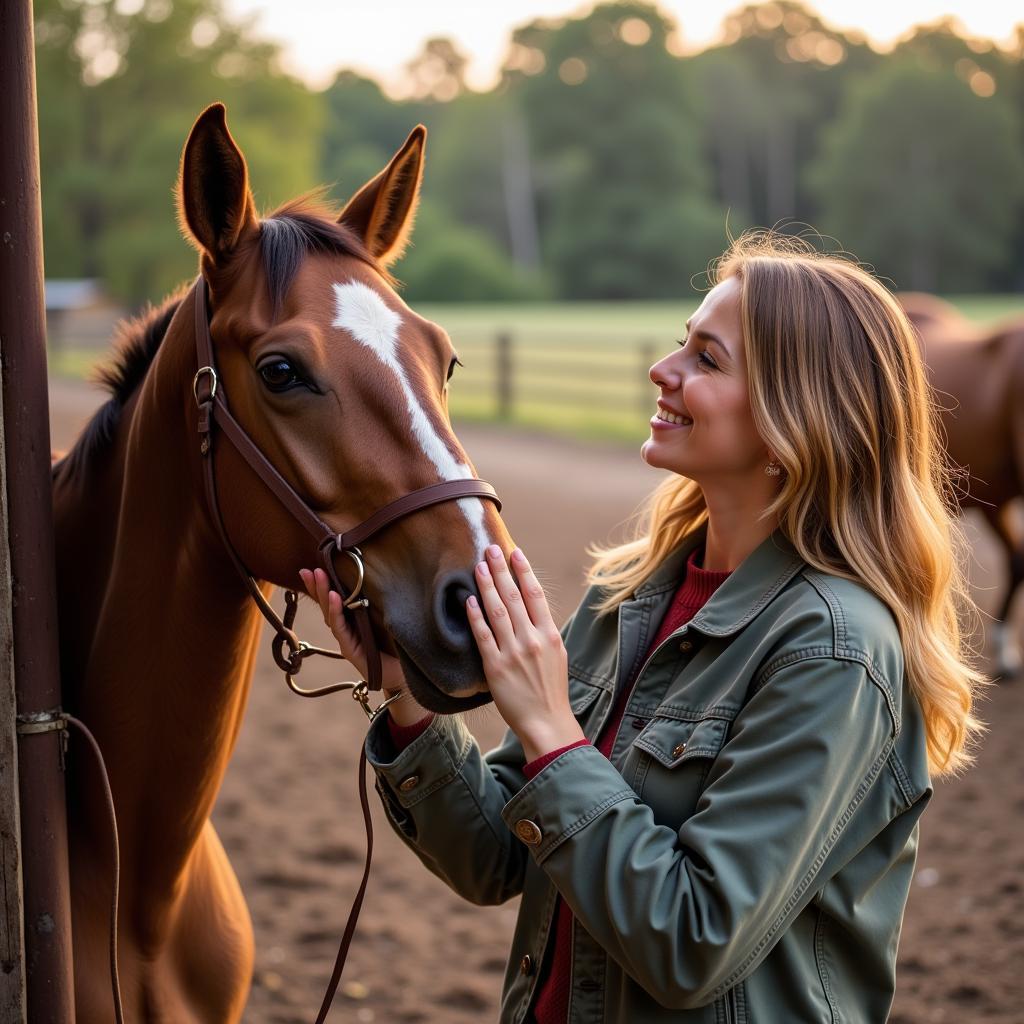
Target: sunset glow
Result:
[379, 39]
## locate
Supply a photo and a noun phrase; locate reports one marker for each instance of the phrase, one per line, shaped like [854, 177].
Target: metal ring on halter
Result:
[354, 600]
[213, 386]
[361, 695]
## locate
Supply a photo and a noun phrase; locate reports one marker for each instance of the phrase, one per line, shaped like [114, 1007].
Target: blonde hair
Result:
[838, 392]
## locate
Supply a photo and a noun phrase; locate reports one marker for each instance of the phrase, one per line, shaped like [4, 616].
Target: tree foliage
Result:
[961, 188]
[605, 164]
[622, 185]
[117, 94]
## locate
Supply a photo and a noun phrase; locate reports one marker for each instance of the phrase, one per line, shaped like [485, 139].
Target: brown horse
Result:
[343, 387]
[978, 375]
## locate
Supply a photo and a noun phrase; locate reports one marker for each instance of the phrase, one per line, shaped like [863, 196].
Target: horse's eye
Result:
[279, 375]
[451, 366]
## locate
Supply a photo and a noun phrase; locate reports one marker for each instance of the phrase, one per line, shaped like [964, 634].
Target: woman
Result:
[710, 791]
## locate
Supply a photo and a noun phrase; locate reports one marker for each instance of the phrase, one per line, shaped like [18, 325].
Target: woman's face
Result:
[704, 429]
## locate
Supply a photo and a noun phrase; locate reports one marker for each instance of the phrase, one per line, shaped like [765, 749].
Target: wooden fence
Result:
[567, 382]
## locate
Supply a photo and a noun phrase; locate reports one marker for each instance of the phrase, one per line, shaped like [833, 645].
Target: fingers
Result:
[318, 587]
[506, 589]
[501, 598]
[485, 641]
[534, 599]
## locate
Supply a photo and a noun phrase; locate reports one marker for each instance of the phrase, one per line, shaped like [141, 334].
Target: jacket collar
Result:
[747, 591]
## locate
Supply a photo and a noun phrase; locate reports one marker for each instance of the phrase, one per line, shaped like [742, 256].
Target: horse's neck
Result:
[173, 635]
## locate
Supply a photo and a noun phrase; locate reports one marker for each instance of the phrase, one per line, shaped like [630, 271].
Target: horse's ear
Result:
[215, 205]
[383, 210]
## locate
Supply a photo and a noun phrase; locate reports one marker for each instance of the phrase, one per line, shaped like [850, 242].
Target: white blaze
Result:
[364, 314]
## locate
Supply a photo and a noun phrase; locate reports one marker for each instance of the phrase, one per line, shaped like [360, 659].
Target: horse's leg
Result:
[213, 945]
[1008, 659]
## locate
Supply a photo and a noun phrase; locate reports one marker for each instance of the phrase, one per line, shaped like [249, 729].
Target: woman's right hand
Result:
[405, 711]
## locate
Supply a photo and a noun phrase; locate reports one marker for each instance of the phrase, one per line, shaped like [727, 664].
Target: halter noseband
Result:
[214, 412]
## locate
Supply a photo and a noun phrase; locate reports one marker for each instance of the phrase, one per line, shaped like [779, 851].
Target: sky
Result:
[378, 37]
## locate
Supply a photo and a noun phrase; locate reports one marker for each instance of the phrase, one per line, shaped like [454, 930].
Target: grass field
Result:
[577, 368]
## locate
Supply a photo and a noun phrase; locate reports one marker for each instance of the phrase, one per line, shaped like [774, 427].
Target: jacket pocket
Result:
[676, 756]
[583, 699]
[672, 742]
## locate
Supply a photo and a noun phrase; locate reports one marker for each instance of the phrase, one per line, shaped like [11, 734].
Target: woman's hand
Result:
[523, 655]
[405, 711]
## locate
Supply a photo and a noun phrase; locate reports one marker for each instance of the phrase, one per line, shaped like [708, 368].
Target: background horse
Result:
[978, 374]
[343, 387]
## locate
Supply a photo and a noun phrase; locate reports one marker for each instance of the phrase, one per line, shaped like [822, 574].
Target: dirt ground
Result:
[288, 813]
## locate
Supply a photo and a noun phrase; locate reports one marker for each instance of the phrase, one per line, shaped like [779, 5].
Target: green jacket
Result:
[746, 853]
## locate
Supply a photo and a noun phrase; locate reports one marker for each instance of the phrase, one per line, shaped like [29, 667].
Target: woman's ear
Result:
[215, 205]
[381, 213]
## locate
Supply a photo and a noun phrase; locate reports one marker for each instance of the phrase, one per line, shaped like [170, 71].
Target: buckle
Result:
[354, 600]
[213, 383]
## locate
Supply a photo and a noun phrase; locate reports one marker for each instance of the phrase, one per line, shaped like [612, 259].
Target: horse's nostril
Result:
[450, 617]
[455, 602]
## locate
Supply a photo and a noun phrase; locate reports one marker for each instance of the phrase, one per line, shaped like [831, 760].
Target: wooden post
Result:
[503, 381]
[12, 956]
[28, 620]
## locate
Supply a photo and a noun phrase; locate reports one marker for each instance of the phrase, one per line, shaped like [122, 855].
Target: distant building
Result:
[72, 294]
[79, 314]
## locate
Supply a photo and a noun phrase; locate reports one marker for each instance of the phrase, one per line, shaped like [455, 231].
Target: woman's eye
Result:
[704, 358]
[279, 375]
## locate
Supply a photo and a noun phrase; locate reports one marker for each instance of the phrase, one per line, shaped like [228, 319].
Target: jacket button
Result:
[528, 832]
[677, 751]
[686, 645]
[410, 783]
[526, 964]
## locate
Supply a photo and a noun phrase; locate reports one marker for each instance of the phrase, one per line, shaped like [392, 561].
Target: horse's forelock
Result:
[297, 229]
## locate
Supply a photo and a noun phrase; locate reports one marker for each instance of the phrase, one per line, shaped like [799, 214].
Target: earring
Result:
[773, 468]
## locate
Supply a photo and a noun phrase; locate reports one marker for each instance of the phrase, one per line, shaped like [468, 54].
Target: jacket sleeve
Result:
[444, 799]
[688, 913]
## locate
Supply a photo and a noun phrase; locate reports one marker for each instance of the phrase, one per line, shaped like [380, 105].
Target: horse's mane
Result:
[303, 226]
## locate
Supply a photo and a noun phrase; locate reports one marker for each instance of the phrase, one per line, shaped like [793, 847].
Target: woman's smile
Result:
[667, 419]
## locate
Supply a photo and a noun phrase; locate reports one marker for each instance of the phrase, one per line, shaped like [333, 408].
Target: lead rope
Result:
[357, 902]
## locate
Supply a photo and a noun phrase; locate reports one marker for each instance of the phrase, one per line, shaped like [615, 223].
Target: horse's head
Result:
[344, 389]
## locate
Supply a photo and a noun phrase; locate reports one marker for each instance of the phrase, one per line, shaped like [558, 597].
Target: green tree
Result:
[117, 94]
[362, 129]
[464, 244]
[923, 178]
[767, 92]
[988, 70]
[622, 189]
[453, 262]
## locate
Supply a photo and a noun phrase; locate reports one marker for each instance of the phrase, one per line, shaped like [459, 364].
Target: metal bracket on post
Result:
[33, 723]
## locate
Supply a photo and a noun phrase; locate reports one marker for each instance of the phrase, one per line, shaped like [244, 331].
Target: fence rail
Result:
[584, 383]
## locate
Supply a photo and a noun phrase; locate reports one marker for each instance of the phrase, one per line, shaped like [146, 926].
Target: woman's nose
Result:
[663, 375]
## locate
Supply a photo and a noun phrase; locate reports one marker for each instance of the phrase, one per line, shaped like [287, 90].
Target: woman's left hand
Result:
[523, 654]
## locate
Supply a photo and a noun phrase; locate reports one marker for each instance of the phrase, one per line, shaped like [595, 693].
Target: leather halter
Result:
[214, 412]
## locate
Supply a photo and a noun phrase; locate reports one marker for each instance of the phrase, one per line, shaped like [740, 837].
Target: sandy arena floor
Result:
[288, 813]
